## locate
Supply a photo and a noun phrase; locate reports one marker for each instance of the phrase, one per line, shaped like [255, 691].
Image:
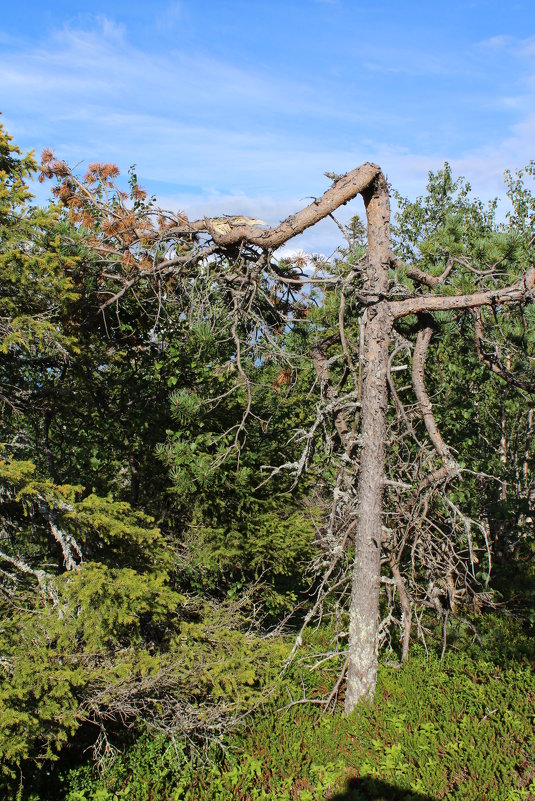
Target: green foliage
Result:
[36, 271]
[238, 528]
[148, 770]
[446, 220]
[105, 623]
[458, 730]
[70, 630]
[483, 417]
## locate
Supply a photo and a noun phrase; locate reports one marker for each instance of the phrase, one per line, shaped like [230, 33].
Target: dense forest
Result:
[266, 522]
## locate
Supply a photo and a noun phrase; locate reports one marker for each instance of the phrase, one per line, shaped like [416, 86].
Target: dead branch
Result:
[522, 291]
[423, 340]
[344, 189]
[321, 366]
[421, 277]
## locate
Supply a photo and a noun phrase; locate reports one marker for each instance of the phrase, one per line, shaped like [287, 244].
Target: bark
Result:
[72, 555]
[41, 575]
[520, 292]
[364, 606]
[449, 464]
[376, 326]
[376, 332]
[418, 371]
[421, 277]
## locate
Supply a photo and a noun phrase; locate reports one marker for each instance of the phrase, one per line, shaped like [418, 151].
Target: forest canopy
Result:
[207, 450]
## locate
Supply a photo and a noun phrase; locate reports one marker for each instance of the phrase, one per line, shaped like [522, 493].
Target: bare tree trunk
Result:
[364, 608]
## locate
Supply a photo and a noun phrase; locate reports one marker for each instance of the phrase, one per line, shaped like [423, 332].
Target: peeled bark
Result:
[344, 188]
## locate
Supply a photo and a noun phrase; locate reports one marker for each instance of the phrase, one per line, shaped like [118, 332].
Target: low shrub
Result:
[458, 729]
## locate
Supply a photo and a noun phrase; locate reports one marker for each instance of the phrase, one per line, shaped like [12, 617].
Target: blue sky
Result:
[239, 106]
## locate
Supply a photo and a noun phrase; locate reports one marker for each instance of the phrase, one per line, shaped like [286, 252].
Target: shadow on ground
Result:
[376, 790]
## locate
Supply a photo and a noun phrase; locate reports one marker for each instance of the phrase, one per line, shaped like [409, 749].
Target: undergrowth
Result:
[461, 728]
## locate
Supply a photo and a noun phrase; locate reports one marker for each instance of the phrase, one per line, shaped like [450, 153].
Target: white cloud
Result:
[100, 64]
[495, 42]
[243, 140]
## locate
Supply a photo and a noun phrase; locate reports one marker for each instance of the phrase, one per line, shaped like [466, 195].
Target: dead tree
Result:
[251, 249]
[380, 314]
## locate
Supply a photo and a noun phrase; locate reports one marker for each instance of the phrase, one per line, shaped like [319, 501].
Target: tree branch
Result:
[521, 291]
[449, 463]
[341, 192]
[421, 277]
[321, 366]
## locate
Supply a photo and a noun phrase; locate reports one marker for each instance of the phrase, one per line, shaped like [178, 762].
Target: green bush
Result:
[459, 730]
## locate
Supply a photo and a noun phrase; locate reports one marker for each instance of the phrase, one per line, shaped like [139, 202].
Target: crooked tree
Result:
[145, 246]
